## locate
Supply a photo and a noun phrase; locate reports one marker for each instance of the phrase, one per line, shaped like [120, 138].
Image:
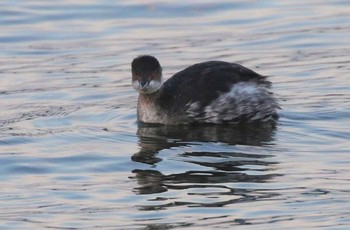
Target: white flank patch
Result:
[192, 109]
[244, 99]
[242, 91]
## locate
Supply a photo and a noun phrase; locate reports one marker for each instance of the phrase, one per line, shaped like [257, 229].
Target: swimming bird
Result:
[215, 92]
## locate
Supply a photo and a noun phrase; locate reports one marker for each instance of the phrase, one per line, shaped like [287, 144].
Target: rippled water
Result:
[72, 155]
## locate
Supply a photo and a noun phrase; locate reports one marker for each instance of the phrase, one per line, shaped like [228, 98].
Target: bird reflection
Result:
[220, 168]
[153, 138]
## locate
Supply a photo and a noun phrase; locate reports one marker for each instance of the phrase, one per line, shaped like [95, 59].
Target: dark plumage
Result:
[204, 82]
[208, 92]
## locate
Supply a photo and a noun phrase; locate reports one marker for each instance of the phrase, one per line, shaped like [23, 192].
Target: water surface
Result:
[73, 157]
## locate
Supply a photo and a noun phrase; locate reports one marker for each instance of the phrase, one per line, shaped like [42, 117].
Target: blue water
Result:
[73, 157]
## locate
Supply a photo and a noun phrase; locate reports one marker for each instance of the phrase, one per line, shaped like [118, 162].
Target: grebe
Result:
[209, 92]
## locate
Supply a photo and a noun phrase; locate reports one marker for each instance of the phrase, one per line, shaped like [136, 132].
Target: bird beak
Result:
[143, 83]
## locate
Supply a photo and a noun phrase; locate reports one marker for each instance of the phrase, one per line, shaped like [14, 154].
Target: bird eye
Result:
[136, 77]
[154, 75]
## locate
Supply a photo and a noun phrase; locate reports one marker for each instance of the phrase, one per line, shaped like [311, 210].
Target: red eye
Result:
[154, 76]
[135, 77]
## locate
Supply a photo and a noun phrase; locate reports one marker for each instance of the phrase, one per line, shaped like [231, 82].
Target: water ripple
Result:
[73, 157]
